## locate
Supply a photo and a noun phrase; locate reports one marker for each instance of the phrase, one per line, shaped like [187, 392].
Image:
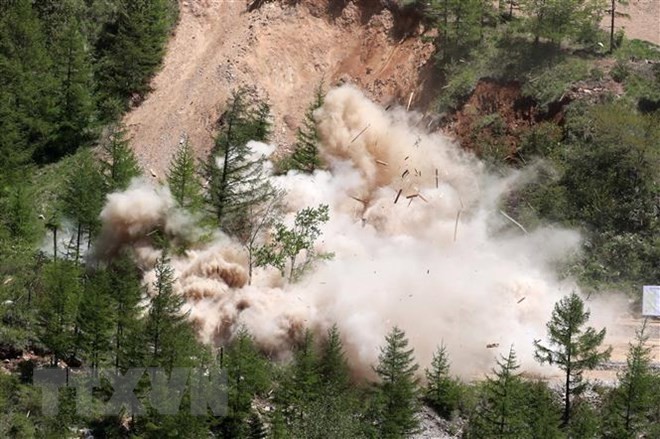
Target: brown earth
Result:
[282, 52]
[642, 22]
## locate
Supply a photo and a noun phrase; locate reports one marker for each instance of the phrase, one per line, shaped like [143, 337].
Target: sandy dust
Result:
[283, 52]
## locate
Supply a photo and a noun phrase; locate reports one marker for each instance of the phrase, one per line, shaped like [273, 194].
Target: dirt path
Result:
[282, 52]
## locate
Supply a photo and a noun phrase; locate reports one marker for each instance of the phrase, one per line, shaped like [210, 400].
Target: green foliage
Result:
[288, 243]
[248, 377]
[551, 83]
[58, 308]
[631, 402]
[18, 216]
[574, 349]
[95, 320]
[236, 178]
[561, 19]
[499, 415]
[397, 389]
[305, 155]
[128, 334]
[83, 198]
[131, 52]
[333, 368]
[542, 411]
[119, 164]
[442, 391]
[27, 85]
[169, 336]
[74, 100]
[182, 179]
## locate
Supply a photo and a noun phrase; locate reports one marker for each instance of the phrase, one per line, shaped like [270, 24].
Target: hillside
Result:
[282, 53]
[329, 219]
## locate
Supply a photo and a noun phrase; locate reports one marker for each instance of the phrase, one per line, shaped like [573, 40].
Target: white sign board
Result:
[651, 300]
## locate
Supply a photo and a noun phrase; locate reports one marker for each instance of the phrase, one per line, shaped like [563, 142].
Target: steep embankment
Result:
[282, 52]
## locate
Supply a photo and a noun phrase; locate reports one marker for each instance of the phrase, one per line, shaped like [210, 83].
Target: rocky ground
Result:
[281, 52]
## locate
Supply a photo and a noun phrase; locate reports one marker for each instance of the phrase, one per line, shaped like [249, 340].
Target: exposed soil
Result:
[282, 52]
[642, 22]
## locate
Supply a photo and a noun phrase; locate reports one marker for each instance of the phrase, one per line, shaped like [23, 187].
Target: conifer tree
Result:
[500, 414]
[18, 213]
[132, 53]
[72, 67]
[119, 164]
[128, 337]
[333, 368]
[236, 178]
[83, 197]
[632, 399]
[442, 391]
[182, 178]
[95, 320]
[166, 323]
[247, 377]
[58, 308]
[305, 156]
[398, 386]
[27, 85]
[542, 411]
[302, 385]
[576, 349]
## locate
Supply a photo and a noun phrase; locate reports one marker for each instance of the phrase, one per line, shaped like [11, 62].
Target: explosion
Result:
[418, 241]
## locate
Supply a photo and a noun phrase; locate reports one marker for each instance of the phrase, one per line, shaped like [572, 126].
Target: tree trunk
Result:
[54, 243]
[612, 13]
[567, 398]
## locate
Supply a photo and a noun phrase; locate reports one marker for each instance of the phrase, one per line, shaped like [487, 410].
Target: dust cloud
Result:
[418, 238]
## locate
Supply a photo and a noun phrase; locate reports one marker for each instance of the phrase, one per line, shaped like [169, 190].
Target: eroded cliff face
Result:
[282, 53]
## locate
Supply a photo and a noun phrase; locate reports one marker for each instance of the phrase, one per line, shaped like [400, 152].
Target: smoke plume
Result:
[418, 241]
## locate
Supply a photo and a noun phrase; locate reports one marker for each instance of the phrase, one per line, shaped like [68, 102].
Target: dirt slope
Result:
[284, 52]
[643, 21]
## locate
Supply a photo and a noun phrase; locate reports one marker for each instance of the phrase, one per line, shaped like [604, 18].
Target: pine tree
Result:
[18, 213]
[576, 349]
[58, 308]
[132, 53]
[83, 197]
[182, 179]
[236, 179]
[633, 398]
[247, 376]
[442, 391]
[95, 320]
[74, 100]
[560, 19]
[500, 414]
[397, 387]
[542, 411]
[128, 336]
[166, 323]
[119, 164]
[333, 368]
[305, 156]
[27, 85]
